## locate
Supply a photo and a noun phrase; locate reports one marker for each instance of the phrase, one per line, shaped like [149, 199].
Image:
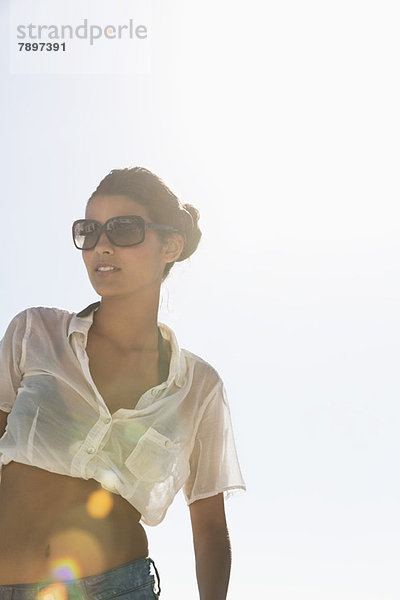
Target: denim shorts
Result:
[132, 581]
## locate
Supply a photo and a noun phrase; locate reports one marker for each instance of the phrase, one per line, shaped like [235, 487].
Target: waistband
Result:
[129, 576]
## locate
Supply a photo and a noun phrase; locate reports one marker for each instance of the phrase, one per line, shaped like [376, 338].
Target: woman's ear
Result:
[173, 247]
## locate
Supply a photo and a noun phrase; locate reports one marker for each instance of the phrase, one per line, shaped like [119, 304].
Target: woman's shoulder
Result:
[188, 361]
[41, 315]
[201, 368]
[37, 319]
[46, 312]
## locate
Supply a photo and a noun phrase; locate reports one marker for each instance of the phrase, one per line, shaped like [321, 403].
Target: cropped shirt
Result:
[179, 435]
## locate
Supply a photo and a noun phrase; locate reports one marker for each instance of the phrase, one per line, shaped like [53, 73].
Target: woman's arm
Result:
[3, 422]
[211, 547]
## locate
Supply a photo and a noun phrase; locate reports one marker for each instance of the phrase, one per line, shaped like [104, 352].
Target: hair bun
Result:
[190, 218]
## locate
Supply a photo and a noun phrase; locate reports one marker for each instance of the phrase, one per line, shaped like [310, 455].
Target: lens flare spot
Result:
[134, 431]
[65, 568]
[73, 552]
[53, 591]
[99, 504]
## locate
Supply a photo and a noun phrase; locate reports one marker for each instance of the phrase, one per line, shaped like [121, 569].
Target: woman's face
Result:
[138, 268]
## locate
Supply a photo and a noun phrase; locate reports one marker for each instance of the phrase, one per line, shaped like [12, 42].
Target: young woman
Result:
[103, 418]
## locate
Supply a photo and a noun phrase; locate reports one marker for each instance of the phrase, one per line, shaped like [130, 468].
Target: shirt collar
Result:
[81, 322]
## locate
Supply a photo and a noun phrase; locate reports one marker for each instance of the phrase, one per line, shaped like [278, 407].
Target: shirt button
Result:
[154, 392]
[90, 450]
[107, 420]
[166, 443]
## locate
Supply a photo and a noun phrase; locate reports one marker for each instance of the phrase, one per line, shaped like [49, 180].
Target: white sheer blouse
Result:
[179, 435]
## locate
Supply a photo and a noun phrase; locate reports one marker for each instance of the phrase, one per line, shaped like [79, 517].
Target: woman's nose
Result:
[104, 244]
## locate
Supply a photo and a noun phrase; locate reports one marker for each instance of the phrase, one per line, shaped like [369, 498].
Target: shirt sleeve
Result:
[214, 465]
[10, 361]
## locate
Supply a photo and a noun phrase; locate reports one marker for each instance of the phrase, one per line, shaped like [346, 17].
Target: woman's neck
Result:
[129, 325]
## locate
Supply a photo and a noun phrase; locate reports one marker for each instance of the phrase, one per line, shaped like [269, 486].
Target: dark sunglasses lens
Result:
[86, 234]
[126, 231]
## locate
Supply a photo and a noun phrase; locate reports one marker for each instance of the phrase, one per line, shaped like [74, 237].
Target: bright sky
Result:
[280, 122]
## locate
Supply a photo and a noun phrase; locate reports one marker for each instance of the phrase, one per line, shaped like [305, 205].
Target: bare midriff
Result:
[58, 527]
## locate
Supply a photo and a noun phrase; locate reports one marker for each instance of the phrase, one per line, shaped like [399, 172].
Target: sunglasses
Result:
[127, 230]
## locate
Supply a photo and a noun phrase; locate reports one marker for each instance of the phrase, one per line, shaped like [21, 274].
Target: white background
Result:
[279, 120]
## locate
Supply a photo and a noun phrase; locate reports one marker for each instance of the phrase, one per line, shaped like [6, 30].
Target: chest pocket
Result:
[154, 458]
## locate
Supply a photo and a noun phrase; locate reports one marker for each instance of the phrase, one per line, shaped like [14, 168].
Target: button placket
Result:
[95, 437]
[84, 359]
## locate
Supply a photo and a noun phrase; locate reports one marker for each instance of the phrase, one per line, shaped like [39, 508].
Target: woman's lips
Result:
[106, 270]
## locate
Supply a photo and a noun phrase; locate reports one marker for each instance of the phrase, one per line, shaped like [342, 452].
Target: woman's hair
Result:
[144, 187]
